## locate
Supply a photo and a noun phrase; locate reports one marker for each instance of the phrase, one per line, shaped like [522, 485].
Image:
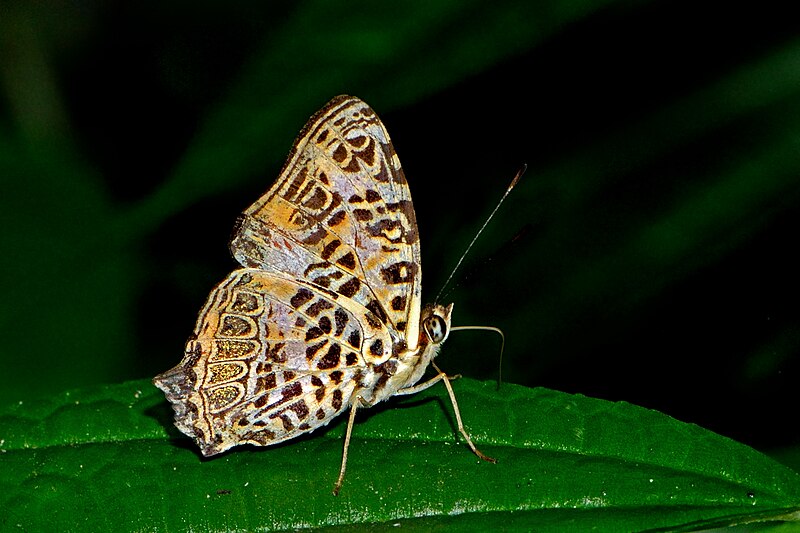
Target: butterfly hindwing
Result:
[270, 359]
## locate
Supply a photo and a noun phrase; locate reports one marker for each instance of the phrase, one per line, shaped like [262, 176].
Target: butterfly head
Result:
[436, 323]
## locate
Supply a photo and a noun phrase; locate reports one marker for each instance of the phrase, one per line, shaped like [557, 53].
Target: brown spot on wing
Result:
[354, 339]
[291, 390]
[391, 230]
[325, 324]
[358, 142]
[317, 200]
[362, 215]
[336, 401]
[265, 383]
[316, 236]
[300, 409]
[315, 266]
[376, 348]
[275, 352]
[340, 154]
[348, 261]
[341, 319]
[331, 247]
[349, 287]
[317, 307]
[312, 350]
[288, 425]
[302, 296]
[398, 303]
[336, 218]
[313, 333]
[376, 308]
[330, 359]
[325, 281]
[400, 272]
[372, 320]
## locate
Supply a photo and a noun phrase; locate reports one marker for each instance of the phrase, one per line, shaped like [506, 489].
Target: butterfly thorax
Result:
[408, 367]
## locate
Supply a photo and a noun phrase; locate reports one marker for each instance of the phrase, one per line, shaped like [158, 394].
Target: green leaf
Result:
[102, 459]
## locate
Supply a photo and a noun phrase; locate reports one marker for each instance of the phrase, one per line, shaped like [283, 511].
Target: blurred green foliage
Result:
[647, 255]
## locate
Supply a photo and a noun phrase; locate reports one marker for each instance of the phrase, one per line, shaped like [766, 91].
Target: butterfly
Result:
[325, 314]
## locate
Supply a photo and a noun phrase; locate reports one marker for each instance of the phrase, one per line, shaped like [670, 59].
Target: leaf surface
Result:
[108, 458]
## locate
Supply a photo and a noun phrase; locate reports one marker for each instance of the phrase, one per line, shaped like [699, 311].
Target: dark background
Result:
[648, 255]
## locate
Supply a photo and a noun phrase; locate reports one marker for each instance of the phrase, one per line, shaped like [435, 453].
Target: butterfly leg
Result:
[350, 421]
[441, 376]
[422, 386]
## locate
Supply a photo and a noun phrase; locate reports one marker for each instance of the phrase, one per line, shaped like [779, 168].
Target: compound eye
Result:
[436, 328]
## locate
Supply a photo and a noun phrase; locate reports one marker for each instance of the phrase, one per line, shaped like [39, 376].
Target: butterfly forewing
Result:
[340, 216]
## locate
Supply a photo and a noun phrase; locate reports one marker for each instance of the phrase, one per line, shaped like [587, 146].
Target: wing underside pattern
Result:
[328, 298]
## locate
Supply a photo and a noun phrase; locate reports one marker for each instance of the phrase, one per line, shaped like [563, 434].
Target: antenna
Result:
[502, 345]
[520, 172]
